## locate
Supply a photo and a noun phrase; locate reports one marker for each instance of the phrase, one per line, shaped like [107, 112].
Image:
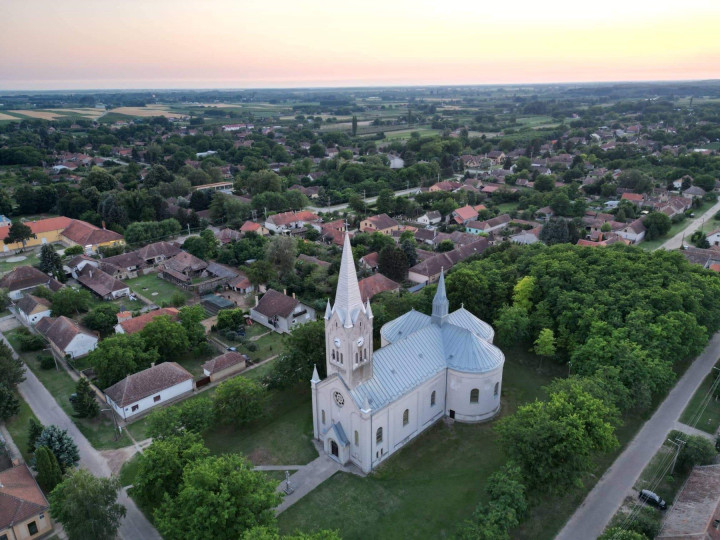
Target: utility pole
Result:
[678, 443]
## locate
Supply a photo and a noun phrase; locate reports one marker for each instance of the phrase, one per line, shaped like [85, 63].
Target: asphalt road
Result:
[676, 241]
[135, 526]
[598, 508]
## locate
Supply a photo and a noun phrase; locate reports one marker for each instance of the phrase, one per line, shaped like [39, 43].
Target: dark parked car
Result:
[652, 499]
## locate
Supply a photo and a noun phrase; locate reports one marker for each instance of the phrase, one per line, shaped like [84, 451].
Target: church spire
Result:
[440, 305]
[348, 302]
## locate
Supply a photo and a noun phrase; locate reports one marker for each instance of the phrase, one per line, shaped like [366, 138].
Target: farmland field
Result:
[42, 115]
[150, 110]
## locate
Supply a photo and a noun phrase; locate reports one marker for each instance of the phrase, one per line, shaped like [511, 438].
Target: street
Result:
[134, 526]
[676, 241]
[598, 508]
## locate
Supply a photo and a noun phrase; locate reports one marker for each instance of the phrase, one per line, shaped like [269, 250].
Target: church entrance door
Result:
[334, 449]
[452, 414]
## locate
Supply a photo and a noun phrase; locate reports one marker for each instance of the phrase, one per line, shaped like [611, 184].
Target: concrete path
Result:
[598, 508]
[308, 478]
[135, 526]
[676, 241]
[693, 431]
[278, 467]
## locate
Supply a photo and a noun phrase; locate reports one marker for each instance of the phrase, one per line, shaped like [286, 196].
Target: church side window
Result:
[356, 358]
[474, 395]
[357, 438]
[365, 354]
[406, 417]
[341, 358]
[323, 416]
[432, 399]
[497, 388]
[333, 355]
[378, 436]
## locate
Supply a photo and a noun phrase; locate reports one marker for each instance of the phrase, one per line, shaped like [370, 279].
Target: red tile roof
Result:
[85, 234]
[41, 226]
[136, 324]
[375, 284]
[224, 361]
[20, 496]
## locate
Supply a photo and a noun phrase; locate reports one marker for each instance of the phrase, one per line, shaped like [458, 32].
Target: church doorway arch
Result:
[334, 449]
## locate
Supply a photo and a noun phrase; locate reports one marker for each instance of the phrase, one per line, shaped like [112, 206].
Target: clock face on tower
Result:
[360, 341]
[339, 399]
[337, 342]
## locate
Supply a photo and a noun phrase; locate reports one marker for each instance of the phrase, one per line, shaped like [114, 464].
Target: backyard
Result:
[155, 289]
[267, 342]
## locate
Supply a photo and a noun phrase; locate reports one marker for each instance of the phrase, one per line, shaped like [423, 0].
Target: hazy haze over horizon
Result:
[183, 44]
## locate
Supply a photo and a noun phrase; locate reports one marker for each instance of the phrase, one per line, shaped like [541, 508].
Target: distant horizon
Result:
[351, 86]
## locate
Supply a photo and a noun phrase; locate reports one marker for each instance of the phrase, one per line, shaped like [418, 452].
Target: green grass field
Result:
[704, 416]
[100, 431]
[271, 344]
[18, 428]
[31, 259]
[129, 471]
[148, 284]
[431, 485]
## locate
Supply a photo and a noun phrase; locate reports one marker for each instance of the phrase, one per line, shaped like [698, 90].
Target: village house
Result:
[101, 283]
[280, 312]
[530, 236]
[241, 284]
[227, 235]
[139, 392]
[713, 238]
[90, 237]
[634, 198]
[124, 266]
[66, 337]
[376, 284]
[445, 185]
[489, 225]
[463, 215]
[24, 510]
[225, 365]
[132, 325]
[182, 268]
[694, 192]
[370, 261]
[285, 222]
[154, 254]
[432, 217]
[381, 223]
[635, 231]
[309, 259]
[25, 278]
[257, 228]
[33, 308]
[428, 271]
[46, 231]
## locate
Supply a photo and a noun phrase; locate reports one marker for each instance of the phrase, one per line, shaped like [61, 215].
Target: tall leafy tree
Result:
[305, 348]
[238, 400]
[87, 506]
[61, 444]
[166, 336]
[118, 356]
[102, 319]
[220, 497]
[68, 302]
[19, 232]
[46, 465]
[9, 403]
[35, 428]
[85, 404]
[50, 262]
[393, 263]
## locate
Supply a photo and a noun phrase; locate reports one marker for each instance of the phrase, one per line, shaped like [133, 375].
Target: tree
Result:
[238, 400]
[87, 506]
[545, 343]
[157, 174]
[100, 179]
[354, 125]
[555, 231]
[618, 533]
[445, 245]
[386, 201]
[85, 404]
[657, 225]
[9, 404]
[50, 262]
[220, 497]
[48, 470]
[118, 356]
[19, 232]
[281, 252]
[161, 466]
[305, 350]
[270, 533]
[102, 319]
[194, 415]
[35, 428]
[60, 444]
[511, 326]
[392, 262]
[12, 370]
[409, 247]
[68, 301]
[697, 450]
[190, 317]
[523, 293]
[166, 336]
[553, 441]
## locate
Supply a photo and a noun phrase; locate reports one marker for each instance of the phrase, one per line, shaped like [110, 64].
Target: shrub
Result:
[177, 299]
[73, 250]
[46, 361]
[252, 347]
[31, 342]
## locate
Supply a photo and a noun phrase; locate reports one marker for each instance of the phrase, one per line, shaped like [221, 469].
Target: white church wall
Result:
[460, 386]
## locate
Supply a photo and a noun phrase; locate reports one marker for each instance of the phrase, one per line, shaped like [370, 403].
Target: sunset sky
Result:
[95, 44]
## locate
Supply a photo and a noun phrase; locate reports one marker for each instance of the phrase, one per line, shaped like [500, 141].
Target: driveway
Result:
[135, 526]
[598, 508]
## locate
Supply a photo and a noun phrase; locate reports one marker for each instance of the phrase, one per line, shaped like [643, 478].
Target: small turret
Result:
[441, 304]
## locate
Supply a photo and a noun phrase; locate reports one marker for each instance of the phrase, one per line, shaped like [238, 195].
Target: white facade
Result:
[81, 345]
[714, 238]
[35, 317]
[158, 398]
[372, 403]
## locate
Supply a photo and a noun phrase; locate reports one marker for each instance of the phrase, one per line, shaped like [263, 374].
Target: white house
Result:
[372, 403]
[24, 278]
[430, 218]
[33, 308]
[140, 392]
[280, 312]
[714, 238]
[635, 231]
[285, 222]
[66, 337]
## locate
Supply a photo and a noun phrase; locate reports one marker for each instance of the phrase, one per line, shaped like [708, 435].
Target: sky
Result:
[135, 44]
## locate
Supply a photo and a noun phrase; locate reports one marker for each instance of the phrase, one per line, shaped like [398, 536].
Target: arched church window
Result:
[333, 354]
[378, 436]
[365, 354]
[356, 358]
[357, 438]
[341, 358]
[432, 399]
[323, 416]
[497, 388]
[406, 417]
[474, 395]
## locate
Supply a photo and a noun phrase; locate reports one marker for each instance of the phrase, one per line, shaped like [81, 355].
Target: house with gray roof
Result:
[66, 337]
[373, 403]
[281, 312]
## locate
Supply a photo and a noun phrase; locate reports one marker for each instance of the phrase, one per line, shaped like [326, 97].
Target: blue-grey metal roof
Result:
[400, 367]
[339, 433]
[464, 319]
[404, 325]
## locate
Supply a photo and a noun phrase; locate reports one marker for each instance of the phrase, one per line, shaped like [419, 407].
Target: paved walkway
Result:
[308, 478]
[693, 431]
[676, 241]
[279, 467]
[598, 508]
[134, 526]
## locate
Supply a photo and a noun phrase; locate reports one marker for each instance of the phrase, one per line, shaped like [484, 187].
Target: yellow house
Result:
[47, 231]
[24, 507]
[89, 237]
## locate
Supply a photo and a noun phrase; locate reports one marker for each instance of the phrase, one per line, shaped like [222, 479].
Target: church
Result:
[372, 403]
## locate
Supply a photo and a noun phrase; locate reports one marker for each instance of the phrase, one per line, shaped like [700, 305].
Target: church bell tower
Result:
[348, 327]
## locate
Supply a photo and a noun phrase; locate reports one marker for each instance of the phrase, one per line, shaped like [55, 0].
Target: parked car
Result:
[653, 499]
[233, 349]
